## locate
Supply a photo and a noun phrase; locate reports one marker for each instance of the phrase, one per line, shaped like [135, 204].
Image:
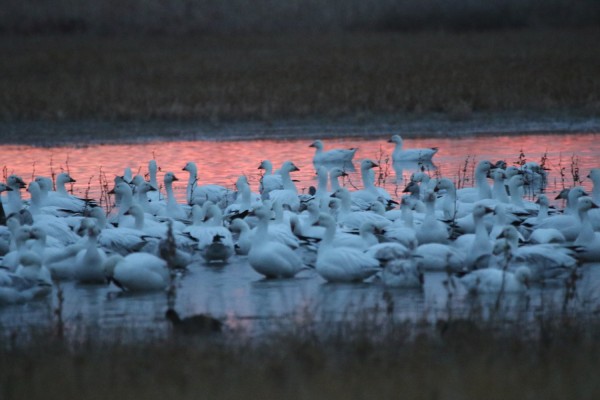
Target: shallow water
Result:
[223, 162]
[235, 292]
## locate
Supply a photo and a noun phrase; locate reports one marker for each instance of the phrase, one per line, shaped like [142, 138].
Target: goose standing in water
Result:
[342, 264]
[137, 272]
[270, 258]
[334, 156]
[269, 181]
[198, 194]
[419, 155]
[288, 196]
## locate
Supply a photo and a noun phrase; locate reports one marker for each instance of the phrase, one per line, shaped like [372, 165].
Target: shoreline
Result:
[88, 132]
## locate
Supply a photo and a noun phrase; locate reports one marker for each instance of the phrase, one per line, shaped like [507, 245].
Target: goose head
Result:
[543, 201]
[594, 175]
[336, 172]
[395, 139]
[44, 182]
[586, 203]
[64, 178]
[15, 182]
[317, 144]
[266, 165]
[169, 178]
[367, 164]
[191, 168]
[289, 166]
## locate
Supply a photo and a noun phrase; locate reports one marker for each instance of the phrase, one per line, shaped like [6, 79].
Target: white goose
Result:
[288, 196]
[587, 242]
[335, 156]
[545, 261]
[269, 181]
[89, 263]
[15, 289]
[198, 194]
[419, 155]
[137, 272]
[342, 264]
[14, 202]
[269, 258]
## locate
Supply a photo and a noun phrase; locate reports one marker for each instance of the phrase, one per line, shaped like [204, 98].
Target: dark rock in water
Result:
[200, 324]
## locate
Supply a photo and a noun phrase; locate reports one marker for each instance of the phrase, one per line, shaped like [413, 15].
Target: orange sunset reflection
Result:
[222, 162]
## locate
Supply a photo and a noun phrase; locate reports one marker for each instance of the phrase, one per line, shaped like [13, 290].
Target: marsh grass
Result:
[362, 75]
[549, 358]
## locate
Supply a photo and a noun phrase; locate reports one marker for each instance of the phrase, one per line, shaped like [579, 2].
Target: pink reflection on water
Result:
[222, 162]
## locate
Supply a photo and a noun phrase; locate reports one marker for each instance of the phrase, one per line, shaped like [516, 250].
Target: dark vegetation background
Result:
[268, 60]
[274, 16]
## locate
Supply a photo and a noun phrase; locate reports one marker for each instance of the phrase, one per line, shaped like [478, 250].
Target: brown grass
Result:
[461, 359]
[265, 78]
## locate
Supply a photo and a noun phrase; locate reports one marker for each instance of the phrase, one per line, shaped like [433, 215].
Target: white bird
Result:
[89, 263]
[335, 156]
[288, 196]
[399, 154]
[269, 181]
[342, 264]
[15, 289]
[137, 272]
[198, 194]
[269, 258]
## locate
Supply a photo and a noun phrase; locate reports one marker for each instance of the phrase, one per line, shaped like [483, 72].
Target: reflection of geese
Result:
[414, 155]
[492, 280]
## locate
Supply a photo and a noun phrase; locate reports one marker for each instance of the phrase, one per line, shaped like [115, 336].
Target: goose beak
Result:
[9, 189]
[71, 180]
[311, 145]
[594, 205]
[112, 191]
[375, 165]
[488, 210]
[390, 141]
[294, 168]
[175, 178]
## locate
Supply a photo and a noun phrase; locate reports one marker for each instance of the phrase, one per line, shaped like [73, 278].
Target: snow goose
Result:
[270, 258]
[244, 239]
[31, 268]
[208, 223]
[587, 242]
[439, 258]
[14, 202]
[3, 188]
[362, 199]
[20, 236]
[335, 174]
[480, 250]
[244, 201]
[173, 209]
[89, 262]
[432, 230]
[335, 156]
[198, 194]
[269, 181]
[482, 188]
[545, 261]
[499, 189]
[594, 175]
[352, 220]
[123, 191]
[15, 289]
[288, 196]
[137, 272]
[342, 264]
[399, 154]
[59, 260]
[495, 281]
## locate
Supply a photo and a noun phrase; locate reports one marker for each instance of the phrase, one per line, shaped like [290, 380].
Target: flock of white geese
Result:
[490, 238]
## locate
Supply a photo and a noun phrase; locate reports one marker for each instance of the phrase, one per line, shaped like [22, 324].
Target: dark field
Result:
[363, 76]
[457, 360]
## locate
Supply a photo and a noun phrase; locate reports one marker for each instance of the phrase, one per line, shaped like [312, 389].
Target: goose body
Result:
[138, 272]
[334, 156]
[402, 155]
